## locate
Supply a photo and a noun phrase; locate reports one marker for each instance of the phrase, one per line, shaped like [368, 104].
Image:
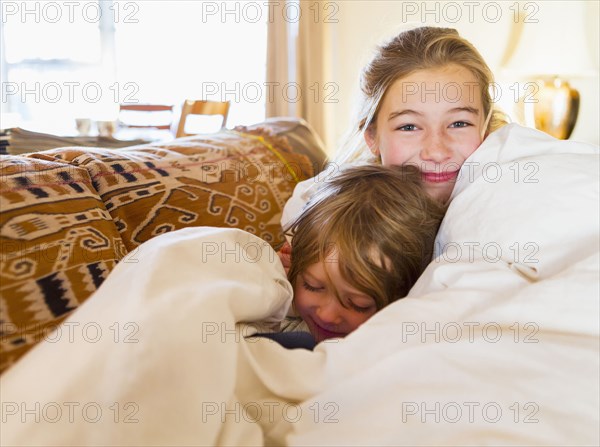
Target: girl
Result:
[425, 103]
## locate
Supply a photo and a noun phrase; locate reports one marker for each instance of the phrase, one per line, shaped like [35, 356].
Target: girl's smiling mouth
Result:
[439, 177]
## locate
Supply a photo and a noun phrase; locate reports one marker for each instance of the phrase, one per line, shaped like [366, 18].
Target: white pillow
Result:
[526, 200]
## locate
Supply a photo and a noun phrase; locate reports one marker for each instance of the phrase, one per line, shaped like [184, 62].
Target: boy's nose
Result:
[329, 312]
[435, 148]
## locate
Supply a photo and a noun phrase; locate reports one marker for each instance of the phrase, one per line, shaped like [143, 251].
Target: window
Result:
[70, 59]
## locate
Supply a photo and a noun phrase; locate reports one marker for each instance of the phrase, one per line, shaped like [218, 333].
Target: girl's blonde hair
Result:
[379, 221]
[416, 49]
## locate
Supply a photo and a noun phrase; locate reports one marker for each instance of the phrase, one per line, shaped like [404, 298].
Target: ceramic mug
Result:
[106, 128]
[84, 125]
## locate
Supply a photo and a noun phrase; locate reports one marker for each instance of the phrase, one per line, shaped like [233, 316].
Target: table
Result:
[23, 141]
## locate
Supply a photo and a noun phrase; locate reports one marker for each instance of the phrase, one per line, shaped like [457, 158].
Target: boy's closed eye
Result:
[311, 288]
[311, 282]
[362, 304]
[359, 304]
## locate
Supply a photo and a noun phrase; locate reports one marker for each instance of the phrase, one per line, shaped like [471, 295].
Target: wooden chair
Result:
[191, 107]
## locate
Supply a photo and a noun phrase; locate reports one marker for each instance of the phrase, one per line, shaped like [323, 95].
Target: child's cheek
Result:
[300, 300]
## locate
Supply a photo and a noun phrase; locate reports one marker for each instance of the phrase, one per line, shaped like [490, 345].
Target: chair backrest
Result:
[161, 121]
[201, 107]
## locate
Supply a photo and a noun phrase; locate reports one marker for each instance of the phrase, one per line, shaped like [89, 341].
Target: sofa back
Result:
[69, 215]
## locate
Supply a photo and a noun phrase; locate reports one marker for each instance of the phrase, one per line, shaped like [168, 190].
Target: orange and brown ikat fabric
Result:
[69, 215]
[231, 179]
[58, 244]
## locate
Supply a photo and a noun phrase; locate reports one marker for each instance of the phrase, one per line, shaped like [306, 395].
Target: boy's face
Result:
[316, 301]
[432, 119]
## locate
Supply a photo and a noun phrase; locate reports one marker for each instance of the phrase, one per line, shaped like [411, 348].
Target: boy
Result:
[360, 243]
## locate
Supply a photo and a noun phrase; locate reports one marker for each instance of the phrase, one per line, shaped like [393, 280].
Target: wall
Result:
[361, 25]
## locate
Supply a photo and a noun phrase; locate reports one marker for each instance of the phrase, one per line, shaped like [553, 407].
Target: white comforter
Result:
[498, 342]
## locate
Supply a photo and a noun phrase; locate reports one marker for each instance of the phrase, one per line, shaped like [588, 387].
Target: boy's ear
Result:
[371, 140]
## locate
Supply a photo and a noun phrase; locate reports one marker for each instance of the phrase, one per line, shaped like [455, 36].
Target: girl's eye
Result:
[310, 288]
[459, 124]
[407, 127]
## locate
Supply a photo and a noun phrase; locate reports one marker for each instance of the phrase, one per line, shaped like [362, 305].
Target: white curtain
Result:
[299, 59]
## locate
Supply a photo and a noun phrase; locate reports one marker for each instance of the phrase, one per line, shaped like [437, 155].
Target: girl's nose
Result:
[436, 148]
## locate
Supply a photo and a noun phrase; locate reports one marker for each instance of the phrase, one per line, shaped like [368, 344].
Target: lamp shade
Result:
[552, 42]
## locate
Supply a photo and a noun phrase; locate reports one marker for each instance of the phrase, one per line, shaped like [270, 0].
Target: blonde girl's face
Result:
[433, 119]
[316, 301]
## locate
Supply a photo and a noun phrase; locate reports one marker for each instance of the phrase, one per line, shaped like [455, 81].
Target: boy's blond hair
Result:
[381, 223]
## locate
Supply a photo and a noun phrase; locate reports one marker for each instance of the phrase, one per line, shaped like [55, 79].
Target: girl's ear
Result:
[371, 140]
